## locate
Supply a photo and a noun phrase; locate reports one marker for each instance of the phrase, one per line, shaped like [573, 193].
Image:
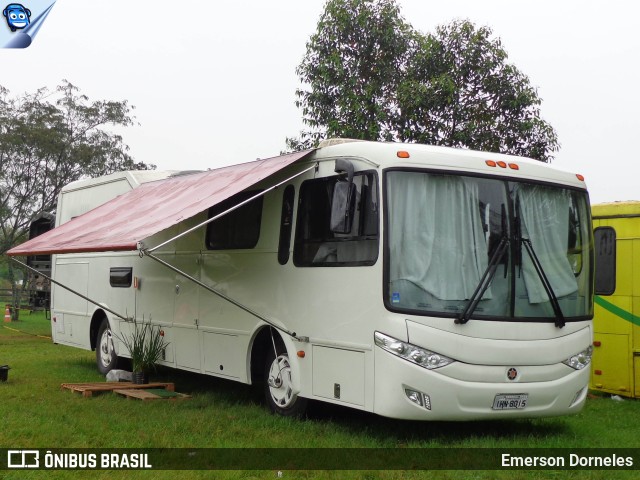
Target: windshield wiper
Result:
[485, 281]
[545, 282]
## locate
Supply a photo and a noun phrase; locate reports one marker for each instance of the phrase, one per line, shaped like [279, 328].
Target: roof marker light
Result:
[514, 166]
[502, 164]
[580, 177]
[403, 154]
[490, 163]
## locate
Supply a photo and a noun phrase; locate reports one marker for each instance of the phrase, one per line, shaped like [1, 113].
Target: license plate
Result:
[514, 401]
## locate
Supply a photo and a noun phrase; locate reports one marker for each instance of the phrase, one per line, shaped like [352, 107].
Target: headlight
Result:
[413, 354]
[580, 360]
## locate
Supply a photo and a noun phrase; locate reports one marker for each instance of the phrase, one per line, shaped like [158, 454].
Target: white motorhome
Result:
[411, 281]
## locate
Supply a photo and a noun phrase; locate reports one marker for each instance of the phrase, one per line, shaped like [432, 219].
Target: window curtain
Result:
[544, 216]
[436, 239]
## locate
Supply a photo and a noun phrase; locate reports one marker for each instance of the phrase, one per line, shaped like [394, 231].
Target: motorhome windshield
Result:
[530, 242]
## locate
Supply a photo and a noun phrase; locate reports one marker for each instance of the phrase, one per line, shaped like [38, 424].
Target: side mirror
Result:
[343, 203]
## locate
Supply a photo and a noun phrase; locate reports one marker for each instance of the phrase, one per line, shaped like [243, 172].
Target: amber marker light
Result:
[580, 177]
[490, 163]
[301, 353]
[502, 164]
[403, 154]
[514, 166]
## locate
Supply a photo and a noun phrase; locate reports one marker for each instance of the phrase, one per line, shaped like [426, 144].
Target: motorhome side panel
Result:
[210, 335]
[68, 317]
[74, 200]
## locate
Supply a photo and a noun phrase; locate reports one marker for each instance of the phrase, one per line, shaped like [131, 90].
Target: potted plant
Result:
[146, 346]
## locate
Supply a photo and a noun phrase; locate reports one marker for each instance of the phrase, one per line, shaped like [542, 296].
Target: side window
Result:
[605, 260]
[120, 277]
[575, 242]
[238, 229]
[316, 245]
[286, 222]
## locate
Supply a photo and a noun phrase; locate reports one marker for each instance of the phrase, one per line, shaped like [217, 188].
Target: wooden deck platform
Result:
[151, 394]
[88, 389]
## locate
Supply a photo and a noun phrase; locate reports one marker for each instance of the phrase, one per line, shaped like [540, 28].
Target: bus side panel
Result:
[613, 361]
[635, 325]
[69, 310]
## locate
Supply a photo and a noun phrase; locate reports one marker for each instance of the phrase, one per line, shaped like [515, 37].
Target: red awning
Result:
[152, 207]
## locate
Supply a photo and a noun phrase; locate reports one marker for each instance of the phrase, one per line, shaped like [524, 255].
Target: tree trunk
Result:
[17, 291]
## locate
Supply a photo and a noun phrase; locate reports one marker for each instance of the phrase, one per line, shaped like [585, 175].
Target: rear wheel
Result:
[278, 386]
[106, 357]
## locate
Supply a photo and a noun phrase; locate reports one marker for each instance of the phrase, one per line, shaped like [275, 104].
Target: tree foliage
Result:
[460, 92]
[49, 139]
[368, 74]
[352, 67]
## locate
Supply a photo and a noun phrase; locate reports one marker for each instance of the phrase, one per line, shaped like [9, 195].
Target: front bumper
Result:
[455, 399]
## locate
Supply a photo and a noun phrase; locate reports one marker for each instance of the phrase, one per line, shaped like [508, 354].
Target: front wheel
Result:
[106, 357]
[278, 387]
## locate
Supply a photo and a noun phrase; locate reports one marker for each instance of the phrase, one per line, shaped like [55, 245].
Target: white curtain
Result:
[436, 239]
[545, 222]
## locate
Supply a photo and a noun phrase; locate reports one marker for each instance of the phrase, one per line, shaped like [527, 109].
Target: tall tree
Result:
[368, 74]
[459, 91]
[48, 139]
[351, 71]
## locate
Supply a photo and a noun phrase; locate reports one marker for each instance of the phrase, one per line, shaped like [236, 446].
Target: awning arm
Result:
[223, 296]
[206, 222]
[126, 319]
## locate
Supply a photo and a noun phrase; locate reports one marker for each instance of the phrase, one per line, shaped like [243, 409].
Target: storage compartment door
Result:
[338, 374]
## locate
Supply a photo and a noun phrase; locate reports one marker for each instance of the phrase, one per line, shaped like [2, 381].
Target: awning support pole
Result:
[126, 319]
[206, 222]
[223, 296]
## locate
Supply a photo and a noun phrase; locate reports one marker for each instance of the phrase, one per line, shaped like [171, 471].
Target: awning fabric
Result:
[151, 208]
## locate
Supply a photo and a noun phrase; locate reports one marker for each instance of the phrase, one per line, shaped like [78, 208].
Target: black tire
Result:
[106, 357]
[277, 386]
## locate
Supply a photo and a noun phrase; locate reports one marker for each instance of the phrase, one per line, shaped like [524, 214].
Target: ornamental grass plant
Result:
[146, 346]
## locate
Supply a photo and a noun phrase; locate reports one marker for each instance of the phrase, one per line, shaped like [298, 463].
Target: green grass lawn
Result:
[36, 413]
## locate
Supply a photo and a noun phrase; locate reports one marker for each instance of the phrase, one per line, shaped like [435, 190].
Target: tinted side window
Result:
[237, 229]
[120, 277]
[316, 245]
[286, 222]
[605, 256]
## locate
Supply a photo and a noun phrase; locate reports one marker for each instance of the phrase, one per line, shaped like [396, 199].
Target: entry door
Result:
[186, 334]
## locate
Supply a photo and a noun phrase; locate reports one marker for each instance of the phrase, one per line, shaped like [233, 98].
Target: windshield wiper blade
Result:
[560, 322]
[485, 281]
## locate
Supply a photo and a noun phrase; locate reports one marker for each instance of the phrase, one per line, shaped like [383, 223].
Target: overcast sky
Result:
[213, 82]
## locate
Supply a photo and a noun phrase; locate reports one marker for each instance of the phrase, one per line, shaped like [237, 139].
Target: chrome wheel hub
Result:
[280, 384]
[106, 348]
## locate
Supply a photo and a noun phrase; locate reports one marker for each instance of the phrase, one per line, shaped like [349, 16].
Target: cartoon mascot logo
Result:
[17, 16]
